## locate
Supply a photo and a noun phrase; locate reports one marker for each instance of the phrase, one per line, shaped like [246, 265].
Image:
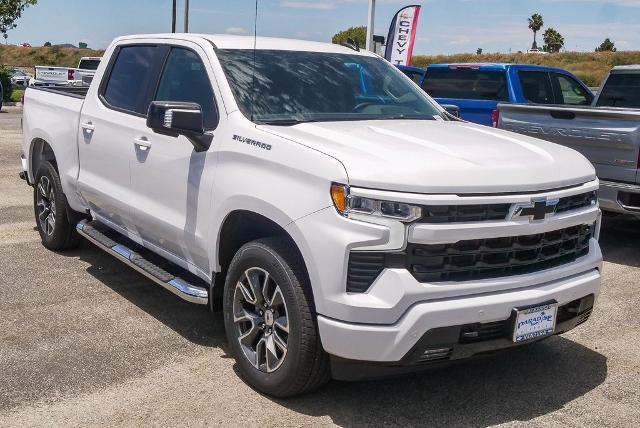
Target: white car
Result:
[19, 78]
[344, 223]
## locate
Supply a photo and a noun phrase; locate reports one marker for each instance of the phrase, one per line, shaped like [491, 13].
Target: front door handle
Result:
[143, 143]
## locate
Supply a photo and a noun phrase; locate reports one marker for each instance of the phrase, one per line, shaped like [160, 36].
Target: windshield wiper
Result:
[284, 122]
[405, 117]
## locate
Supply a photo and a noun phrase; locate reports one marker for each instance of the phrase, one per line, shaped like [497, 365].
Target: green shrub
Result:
[5, 79]
[16, 95]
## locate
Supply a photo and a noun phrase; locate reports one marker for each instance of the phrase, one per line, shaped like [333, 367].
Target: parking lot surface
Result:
[84, 340]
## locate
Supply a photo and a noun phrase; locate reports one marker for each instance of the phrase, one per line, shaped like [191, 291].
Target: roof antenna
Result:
[253, 69]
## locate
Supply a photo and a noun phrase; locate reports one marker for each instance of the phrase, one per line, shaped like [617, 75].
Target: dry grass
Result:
[17, 56]
[591, 67]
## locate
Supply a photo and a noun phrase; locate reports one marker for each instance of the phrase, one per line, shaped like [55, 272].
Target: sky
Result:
[446, 26]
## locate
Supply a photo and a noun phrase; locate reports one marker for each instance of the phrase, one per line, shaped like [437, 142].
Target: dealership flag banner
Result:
[402, 34]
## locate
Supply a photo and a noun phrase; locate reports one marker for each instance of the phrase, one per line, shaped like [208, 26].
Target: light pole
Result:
[371, 19]
[173, 17]
[186, 16]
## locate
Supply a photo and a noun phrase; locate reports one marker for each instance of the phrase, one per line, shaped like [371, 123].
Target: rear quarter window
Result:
[621, 90]
[130, 77]
[470, 84]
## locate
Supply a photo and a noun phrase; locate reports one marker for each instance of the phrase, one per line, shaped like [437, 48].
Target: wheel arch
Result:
[238, 228]
[40, 150]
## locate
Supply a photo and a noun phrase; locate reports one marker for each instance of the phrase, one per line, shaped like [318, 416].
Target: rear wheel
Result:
[269, 320]
[57, 231]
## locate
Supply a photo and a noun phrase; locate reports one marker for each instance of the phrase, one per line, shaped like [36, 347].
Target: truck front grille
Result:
[497, 257]
[435, 214]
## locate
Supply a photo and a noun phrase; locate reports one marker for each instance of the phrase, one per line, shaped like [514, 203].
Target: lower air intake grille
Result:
[497, 257]
[363, 269]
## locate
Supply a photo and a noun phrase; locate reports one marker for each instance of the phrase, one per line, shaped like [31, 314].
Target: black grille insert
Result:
[497, 257]
[464, 213]
[435, 214]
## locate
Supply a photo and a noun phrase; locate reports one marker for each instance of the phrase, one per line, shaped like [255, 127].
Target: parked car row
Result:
[554, 105]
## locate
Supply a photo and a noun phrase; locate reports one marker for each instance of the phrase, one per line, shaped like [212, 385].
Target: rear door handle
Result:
[89, 127]
[143, 143]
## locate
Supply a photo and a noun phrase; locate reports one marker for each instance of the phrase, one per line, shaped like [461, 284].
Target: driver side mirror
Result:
[179, 118]
[453, 110]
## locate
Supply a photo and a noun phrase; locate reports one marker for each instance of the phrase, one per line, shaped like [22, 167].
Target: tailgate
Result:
[52, 74]
[609, 138]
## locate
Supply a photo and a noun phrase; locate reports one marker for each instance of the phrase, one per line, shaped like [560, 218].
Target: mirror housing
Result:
[179, 118]
[453, 110]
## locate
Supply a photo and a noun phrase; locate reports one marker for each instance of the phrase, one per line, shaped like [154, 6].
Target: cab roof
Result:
[226, 41]
[496, 66]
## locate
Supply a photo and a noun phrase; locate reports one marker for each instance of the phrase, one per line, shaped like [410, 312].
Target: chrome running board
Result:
[178, 286]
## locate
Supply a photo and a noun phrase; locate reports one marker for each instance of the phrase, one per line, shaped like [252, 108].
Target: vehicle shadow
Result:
[193, 322]
[620, 240]
[515, 385]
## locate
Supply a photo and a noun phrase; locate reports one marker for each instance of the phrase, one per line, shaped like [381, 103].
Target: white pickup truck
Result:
[63, 76]
[344, 223]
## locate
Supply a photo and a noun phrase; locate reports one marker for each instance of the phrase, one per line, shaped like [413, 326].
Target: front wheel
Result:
[57, 231]
[269, 320]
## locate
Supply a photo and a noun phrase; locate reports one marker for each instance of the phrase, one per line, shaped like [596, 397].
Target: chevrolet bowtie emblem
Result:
[537, 210]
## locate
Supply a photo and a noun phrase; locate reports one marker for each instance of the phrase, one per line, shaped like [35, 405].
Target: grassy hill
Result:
[591, 67]
[18, 56]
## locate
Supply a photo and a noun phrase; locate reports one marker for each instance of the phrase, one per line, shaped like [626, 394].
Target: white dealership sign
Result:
[402, 34]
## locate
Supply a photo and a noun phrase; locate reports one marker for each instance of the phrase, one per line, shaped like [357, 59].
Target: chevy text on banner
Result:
[402, 34]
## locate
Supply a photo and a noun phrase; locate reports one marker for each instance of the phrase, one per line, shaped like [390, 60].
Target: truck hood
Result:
[441, 157]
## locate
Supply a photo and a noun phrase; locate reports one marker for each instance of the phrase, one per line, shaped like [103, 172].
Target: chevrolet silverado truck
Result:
[341, 234]
[607, 133]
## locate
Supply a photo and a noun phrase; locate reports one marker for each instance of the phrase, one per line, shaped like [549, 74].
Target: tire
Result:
[302, 366]
[51, 210]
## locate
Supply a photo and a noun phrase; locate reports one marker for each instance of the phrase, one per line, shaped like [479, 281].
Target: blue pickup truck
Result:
[476, 89]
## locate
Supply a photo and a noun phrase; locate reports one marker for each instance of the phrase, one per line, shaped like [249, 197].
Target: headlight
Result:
[347, 205]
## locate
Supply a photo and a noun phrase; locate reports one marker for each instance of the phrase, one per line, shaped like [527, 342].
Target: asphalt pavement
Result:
[84, 340]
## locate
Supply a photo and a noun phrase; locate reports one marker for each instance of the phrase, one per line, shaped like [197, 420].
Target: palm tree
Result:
[535, 24]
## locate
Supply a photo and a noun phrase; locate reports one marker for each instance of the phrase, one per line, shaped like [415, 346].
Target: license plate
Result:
[534, 323]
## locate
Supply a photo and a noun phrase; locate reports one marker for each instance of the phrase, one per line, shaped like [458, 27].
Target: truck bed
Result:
[68, 91]
[608, 137]
[52, 114]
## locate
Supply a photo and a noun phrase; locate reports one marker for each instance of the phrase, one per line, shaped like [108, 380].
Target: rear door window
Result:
[185, 79]
[536, 87]
[132, 75]
[621, 90]
[466, 83]
[570, 91]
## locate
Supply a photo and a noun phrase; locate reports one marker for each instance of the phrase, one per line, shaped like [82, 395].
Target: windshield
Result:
[292, 87]
[89, 64]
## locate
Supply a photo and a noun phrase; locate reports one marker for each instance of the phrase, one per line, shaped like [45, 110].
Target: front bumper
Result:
[394, 343]
[620, 198]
